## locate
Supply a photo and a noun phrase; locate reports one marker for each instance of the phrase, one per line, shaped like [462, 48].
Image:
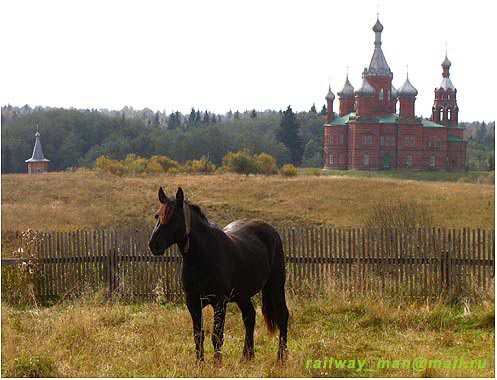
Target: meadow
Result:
[83, 200]
[92, 337]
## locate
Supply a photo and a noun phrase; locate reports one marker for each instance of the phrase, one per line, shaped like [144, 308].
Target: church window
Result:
[370, 140]
[332, 161]
[413, 140]
[409, 160]
[432, 161]
[364, 137]
[407, 140]
[365, 160]
[341, 139]
[380, 95]
[382, 140]
[449, 111]
[331, 139]
[440, 113]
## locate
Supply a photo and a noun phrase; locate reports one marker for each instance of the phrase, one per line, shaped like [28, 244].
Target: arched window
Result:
[440, 113]
[380, 95]
[409, 160]
[365, 160]
[449, 112]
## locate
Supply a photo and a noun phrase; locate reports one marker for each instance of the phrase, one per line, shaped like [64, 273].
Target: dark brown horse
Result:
[221, 266]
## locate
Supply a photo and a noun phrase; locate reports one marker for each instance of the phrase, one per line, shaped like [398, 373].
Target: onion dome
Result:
[378, 27]
[393, 92]
[330, 96]
[446, 63]
[366, 89]
[407, 90]
[347, 90]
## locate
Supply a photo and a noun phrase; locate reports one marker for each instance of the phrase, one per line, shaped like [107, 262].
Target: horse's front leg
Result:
[218, 333]
[194, 305]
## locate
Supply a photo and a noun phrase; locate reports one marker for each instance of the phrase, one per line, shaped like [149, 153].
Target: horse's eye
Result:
[156, 216]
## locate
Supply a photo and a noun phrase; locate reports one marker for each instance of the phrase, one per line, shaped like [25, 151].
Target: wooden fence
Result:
[413, 262]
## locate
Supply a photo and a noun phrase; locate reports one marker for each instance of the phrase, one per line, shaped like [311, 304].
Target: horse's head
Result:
[171, 227]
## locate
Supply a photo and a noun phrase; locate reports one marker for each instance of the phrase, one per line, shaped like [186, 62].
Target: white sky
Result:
[218, 55]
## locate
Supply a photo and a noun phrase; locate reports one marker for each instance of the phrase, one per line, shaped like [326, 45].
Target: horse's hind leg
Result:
[248, 315]
[282, 322]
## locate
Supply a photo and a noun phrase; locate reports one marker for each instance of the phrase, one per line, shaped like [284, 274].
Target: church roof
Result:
[390, 118]
[347, 90]
[447, 84]
[407, 89]
[366, 89]
[37, 155]
[446, 63]
[378, 65]
[330, 95]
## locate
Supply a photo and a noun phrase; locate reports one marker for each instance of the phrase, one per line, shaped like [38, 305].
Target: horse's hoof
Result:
[218, 359]
[247, 357]
[282, 356]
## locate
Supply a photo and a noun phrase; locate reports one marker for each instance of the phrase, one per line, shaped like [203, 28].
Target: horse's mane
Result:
[197, 209]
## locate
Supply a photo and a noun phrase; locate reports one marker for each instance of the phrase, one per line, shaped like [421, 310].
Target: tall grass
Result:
[93, 337]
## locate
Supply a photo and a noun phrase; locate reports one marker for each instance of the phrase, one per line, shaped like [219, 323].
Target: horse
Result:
[224, 265]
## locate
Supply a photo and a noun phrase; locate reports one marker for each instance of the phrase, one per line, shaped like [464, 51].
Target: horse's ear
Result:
[162, 196]
[180, 197]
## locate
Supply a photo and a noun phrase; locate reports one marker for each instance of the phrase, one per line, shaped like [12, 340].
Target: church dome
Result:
[347, 90]
[446, 63]
[407, 89]
[366, 89]
[378, 27]
[330, 95]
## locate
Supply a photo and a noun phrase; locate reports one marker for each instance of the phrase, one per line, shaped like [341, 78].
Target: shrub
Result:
[173, 171]
[266, 164]
[241, 162]
[199, 166]
[153, 167]
[316, 172]
[107, 165]
[166, 162]
[288, 170]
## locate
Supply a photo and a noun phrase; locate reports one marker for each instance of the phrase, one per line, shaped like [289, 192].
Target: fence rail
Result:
[416, 262]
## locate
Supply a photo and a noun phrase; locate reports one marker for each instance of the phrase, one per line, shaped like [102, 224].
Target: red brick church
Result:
[369, 134]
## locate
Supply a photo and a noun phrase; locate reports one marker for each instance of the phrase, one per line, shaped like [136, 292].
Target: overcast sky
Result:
[221, 55]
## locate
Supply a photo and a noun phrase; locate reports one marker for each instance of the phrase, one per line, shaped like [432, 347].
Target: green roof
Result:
[388, 119]
[391, 118]
[431, 124]
[452, 138]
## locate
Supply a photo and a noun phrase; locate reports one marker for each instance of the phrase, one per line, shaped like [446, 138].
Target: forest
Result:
[76, 138]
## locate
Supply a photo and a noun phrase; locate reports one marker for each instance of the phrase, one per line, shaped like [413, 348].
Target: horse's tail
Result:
[274, 307]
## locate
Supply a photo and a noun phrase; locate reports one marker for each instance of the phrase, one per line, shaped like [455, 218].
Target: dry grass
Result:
[90, 337]
[67, 201]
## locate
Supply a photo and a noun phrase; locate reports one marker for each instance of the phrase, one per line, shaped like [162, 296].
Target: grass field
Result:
[67, 201]
[92, 338]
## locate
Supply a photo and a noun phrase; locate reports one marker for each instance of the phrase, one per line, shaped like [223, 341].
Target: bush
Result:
[153, 167]
[199, 166]
[166, 162]
[288, 170]
[266, 164]
[107, 165]
[241, 162]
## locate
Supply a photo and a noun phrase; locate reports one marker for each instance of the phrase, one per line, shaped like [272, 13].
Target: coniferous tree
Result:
[323, 110]
[288, 135]
[192, 117]
[313, 109]
[236, 116]
[198, 117]
[253, 114]
[207, 118]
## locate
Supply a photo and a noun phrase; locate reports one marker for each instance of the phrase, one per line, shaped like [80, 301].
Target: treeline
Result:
[74, 138]
[481, 145]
